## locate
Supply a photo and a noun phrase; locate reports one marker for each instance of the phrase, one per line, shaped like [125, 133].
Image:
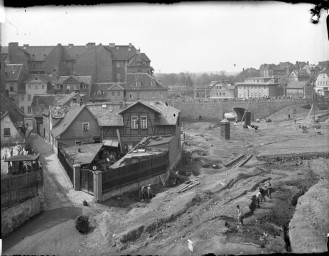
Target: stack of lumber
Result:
[188, 185]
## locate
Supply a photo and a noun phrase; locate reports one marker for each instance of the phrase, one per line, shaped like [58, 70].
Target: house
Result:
[312, 70]
[222, 90]
[283, 69]
[107, 92]
[322, 82]
[15, 74]
[35, 84]
[78, 126]
[299, 75]
[105, 63]
[259, 87]
[10, 134]
[299, 89]
[144, 86]
[16, 114]
[139, 63]
[69, 84]
[202, 91]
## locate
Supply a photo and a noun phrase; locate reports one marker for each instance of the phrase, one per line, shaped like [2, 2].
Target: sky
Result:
[185, 37]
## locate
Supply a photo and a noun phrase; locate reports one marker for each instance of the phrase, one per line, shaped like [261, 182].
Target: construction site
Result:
[217, 172]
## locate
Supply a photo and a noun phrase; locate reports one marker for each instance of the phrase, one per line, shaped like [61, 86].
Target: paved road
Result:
[58, 189]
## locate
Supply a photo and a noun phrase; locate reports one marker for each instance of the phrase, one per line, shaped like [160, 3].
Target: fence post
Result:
[76, 176]
[98, 190]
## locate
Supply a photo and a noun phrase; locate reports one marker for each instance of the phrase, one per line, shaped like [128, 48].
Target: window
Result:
[6, 131]
[143, 122]
[85, 127]
[99, 93]
[153, 94]
[36, 87]
[118, 93]
[11, 88]
[29, 97]
[130, 95]
[77, 143]
[138, 95]
[29, 110]
[118, 65]
[113, 93]
[161, 94]
[43, 86]
[22, 108]
[29, 86]
[134, 122]
[118, 76]
[22, 97]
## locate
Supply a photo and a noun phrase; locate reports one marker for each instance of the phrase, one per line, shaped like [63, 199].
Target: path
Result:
[58, 189]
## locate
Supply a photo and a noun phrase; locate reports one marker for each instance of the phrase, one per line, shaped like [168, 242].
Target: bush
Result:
[82, 223]
[85, 203]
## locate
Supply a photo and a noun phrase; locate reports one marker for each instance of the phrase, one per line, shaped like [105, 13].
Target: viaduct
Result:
[216, 110]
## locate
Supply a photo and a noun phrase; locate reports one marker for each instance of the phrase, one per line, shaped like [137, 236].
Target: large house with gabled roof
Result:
[105, 63]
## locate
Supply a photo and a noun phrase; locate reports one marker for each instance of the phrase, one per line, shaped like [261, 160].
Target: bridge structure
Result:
[215, 110]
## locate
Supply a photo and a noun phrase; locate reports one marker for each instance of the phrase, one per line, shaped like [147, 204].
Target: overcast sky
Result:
[182, 37]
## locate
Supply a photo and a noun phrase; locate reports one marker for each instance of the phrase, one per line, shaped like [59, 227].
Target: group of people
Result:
[263, 190]
[145, 193]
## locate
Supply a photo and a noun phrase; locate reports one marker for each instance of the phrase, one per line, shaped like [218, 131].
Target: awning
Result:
[111, 143]
[19, 158]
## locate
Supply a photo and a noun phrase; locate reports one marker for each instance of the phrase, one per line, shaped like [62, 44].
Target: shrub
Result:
[85, 203]
[82, 223]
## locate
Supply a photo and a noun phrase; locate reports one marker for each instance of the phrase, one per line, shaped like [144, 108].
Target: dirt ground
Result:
[206, 214]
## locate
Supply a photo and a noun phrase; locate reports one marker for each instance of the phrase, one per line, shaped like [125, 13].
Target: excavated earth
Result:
[295, 219]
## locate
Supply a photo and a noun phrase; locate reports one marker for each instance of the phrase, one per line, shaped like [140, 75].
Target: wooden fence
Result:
[18, 188]
[128, 174]
[66, 165]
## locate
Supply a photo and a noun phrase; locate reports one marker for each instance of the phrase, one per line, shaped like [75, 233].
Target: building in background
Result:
[299, 89]
[259, 87]
[14, 76]
[322, 82]
[222, 90]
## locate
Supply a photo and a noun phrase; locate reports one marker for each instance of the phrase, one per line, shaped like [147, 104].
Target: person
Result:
[177, 180]
[258, 195]
[262, 193]
[142, 193]
[149, 192]
[240, 220]
[269, 189]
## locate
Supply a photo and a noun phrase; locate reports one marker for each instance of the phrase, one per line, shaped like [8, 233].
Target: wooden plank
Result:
[234, 160]
[242, 163]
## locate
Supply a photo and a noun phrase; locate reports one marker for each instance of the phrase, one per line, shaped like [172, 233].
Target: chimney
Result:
[112, 45]
[90, 45]
[25, 45]
[130, 45]
[70, 45]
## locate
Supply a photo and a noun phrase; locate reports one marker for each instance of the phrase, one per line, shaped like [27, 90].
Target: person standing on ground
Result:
[269, 189]
[258, 195]
[149, 192]
[143, 193]
[177, 180]
[240, 220]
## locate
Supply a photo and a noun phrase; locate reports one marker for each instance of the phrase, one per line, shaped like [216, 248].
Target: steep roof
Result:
[75, 51]
[80, 79]
[324, 71]
[168, 114]
[15, 113]
[142, 81]
[67, 121]
[38, 53]
[122, 52]
[83, 154]
[106, 114]
[62, 99]
[43, 77]
[59, 111]
[13, 71]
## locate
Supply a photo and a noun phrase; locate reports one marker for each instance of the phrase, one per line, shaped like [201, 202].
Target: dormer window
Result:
[99, 93]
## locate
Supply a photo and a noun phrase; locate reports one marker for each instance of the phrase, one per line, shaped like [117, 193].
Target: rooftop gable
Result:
[38, 53]
[142, 81]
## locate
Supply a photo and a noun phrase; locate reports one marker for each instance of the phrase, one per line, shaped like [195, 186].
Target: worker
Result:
[149, 192]
[269, 189]
[240, 220]
[262, 193]
[177, 180]
[143, 193]
[258, 195]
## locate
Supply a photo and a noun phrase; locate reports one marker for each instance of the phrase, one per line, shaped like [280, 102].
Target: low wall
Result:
[15, 216]
[215, 110]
